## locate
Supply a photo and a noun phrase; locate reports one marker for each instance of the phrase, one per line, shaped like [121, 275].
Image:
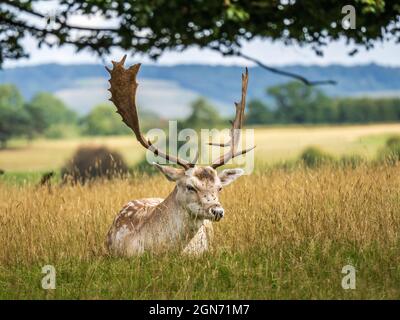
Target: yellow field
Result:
[273, 145]
[279, 144]
[40, 155]
[285, 235]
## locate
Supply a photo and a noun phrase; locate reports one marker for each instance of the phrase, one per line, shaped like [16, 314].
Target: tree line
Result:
[294, 102]
[46, 115]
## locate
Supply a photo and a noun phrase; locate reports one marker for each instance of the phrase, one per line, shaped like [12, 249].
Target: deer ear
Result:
[229, 175]
[171, 173]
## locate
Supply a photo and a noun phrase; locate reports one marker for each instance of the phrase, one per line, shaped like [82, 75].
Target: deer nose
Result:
[217, 212]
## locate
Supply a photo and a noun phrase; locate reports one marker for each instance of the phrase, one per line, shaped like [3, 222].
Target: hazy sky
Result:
[270, 53]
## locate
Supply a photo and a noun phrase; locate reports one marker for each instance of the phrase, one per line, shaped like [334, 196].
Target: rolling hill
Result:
[168, 90]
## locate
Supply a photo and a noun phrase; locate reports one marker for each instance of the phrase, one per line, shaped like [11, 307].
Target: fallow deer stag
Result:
[182, 220]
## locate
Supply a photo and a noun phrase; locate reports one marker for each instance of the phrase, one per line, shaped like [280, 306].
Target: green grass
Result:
[26, 177]
[306, 271]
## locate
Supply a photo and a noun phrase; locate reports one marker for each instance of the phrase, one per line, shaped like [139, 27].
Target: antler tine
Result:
[235, 130]
[123, 95]
[196, 158]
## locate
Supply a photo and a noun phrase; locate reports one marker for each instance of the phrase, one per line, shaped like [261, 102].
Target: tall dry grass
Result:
[286, 234]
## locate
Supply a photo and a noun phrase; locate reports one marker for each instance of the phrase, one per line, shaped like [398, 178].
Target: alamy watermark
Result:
[186, 143]
[349, 280]
[349, 20]
[49, 280]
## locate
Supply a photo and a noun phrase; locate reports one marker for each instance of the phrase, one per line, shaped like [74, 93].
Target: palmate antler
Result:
[235, 130]
[123, 95]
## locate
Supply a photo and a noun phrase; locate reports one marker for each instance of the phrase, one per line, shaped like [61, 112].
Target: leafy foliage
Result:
[43, 115]
[46, 110]
[46, 115]
[103, 120]
[296, 103]
[203, 115]
[156, 26]
[364, 110]
[14, 119]
[60, 131]
[259, 113]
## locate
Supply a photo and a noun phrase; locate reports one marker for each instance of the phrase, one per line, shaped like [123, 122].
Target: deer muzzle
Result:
[217, 212]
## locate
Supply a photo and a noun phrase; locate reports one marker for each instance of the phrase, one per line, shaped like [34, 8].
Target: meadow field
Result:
[287, 233]
[274, 145]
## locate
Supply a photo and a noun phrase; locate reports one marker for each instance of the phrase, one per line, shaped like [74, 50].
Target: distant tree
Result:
[389, 109]
[10, 96]
[364, 110]
[296, 103]
[203, 115]
[150, 120]
[14, 119]
[259, 113]
[45, 111]
[62, 131]
[103, 120]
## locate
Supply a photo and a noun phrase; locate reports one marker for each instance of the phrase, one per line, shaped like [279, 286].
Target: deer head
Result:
[197, 187]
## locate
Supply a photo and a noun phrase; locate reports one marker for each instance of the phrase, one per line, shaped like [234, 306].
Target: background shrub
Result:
[393, 141]
[390, 153]
[90, 163]
[314, 157]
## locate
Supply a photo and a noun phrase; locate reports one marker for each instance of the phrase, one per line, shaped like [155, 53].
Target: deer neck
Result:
[176, 221]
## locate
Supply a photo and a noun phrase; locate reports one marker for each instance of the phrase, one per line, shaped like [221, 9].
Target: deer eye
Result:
[190, 188]
[219, 189]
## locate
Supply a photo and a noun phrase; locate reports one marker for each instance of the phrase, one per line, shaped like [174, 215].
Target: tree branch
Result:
[110, 32]
[286, 73]
[23, 8]
[62, 23]
[23, 25]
